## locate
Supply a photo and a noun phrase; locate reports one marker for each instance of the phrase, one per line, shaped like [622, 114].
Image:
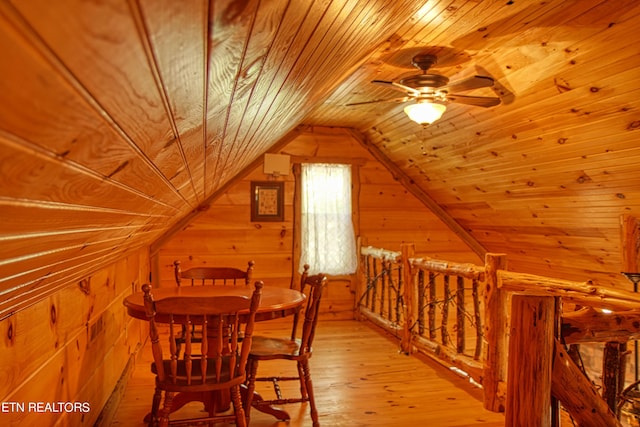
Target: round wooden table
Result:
[275, 303]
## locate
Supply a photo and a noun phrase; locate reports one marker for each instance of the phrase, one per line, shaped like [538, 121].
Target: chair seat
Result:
[196, 376]
[265, 348]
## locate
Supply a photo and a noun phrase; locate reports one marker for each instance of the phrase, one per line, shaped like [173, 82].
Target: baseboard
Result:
[109, 410]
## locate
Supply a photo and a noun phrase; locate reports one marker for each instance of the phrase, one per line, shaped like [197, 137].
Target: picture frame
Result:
[267, 201]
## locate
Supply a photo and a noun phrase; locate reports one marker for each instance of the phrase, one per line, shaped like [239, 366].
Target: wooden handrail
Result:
[590, 325]
[468, 271]
[581, 293]
[380, 253]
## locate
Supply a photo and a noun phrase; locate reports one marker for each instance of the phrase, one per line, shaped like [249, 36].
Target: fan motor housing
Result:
[419, 81]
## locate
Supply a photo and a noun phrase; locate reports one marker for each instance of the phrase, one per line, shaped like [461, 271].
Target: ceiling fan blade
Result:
[403, 99]
[397, 86]
[478, 101]
[474, 82]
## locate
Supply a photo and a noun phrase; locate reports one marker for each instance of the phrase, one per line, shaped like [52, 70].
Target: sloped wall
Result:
[61, 358]
[388, 216]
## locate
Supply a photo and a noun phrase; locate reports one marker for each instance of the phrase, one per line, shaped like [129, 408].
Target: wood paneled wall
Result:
[388, 216]
[71, 347]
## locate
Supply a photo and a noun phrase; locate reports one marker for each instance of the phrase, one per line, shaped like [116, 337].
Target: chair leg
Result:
[241, 421]
[155, 404]
[252, 370]
[163, 417]
[303, 384]
[309, 385]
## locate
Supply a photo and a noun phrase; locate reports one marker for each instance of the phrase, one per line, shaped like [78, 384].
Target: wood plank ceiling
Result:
[118, 117]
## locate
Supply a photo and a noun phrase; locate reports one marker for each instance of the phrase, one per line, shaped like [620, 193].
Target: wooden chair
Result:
[222, 366]
[213, 275]
[209, 276]
[292, 348]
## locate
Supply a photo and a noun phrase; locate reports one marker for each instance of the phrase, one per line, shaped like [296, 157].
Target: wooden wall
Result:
[388, 216]
[71, 347]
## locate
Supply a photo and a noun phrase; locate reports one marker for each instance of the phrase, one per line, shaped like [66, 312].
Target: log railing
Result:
[382, 298]
[449, 312]
[459, 314]
[607, 314]
[442, 313]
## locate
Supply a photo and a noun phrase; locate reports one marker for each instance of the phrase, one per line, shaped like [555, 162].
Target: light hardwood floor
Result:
[360, 379]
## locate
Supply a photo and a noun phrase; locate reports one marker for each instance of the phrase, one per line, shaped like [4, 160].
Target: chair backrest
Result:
[223, 355]
[213, 275]
[317, 283]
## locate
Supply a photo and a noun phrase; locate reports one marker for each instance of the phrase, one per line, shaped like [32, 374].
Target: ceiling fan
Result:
[432, 91]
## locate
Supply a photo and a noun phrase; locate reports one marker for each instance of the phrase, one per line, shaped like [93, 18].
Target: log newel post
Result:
[495, 334]
[614, 360]
[361, 283]
[408, 277]
[630, 243]
[557, 327]
[531, 345]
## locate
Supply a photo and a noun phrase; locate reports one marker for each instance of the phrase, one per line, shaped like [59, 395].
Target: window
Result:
[327, 238]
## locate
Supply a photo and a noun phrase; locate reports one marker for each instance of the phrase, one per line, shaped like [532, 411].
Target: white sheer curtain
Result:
[328, 241]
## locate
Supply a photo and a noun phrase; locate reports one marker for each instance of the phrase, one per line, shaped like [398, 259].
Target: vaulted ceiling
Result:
[118, 117]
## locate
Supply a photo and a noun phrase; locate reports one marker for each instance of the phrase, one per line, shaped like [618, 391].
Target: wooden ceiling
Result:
[118, 117]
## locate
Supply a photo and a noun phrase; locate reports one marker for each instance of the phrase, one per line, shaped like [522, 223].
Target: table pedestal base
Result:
[220, 402]
[214, 402]
[279, 414]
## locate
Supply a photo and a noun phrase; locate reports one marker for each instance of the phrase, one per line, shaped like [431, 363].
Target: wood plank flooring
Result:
[360, 379]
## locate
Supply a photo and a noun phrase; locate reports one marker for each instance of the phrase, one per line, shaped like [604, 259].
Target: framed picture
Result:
[267, 201]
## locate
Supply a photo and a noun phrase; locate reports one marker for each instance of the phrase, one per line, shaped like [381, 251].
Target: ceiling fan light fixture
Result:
[424, 112]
